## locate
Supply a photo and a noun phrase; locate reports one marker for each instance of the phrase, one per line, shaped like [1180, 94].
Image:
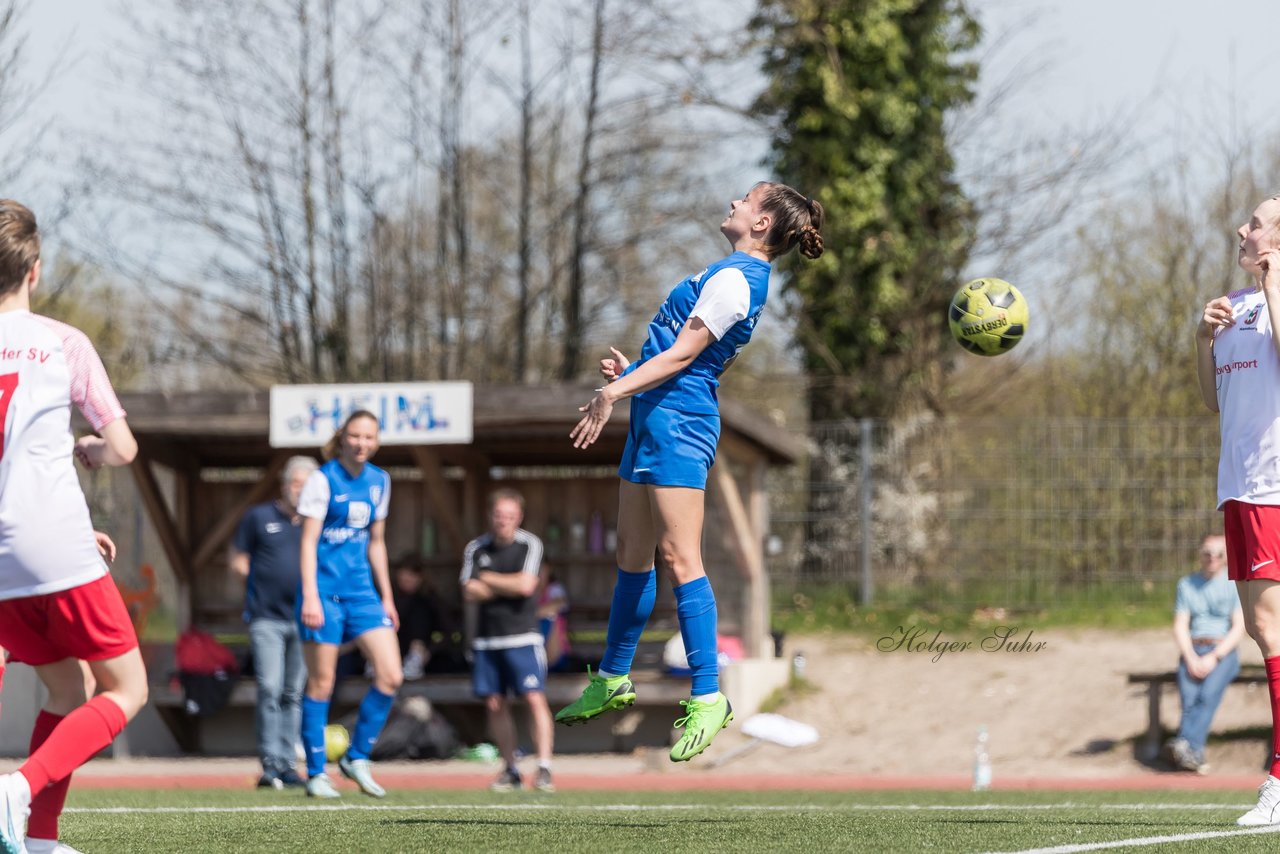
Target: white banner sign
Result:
[306, 416]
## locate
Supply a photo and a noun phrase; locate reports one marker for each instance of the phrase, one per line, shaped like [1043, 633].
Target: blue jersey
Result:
[348, 505]
[693, 390]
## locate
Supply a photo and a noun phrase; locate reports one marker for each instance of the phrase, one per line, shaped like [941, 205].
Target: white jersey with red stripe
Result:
[1248, 383]
[46, 535]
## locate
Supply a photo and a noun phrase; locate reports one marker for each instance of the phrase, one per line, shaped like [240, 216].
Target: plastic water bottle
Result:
[981, 762]
[798, 666]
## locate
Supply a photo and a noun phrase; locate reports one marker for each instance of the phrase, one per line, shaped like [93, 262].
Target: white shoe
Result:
[320, 786]
[1268, 809]
[15, 806]
[49, 846]
[358, 770]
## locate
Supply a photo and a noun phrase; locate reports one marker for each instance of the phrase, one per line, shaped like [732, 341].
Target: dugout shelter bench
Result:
[205, 457]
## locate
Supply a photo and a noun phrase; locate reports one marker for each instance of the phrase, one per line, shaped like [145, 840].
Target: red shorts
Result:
[89, 622]
[1253, 540]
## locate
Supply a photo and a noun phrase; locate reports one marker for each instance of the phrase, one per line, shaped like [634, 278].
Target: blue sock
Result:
[633, 596]
[315, 714]
[374, 709]
[696, 608]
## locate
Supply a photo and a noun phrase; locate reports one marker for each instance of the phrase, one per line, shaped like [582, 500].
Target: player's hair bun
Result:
[810, 242]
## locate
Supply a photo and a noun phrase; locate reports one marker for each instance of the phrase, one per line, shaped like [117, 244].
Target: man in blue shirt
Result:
[265, 553]
[1208, 623]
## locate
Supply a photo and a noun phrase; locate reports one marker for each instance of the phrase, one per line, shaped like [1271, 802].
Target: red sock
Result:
[46, 805]
[76, 739]
[1273, 684]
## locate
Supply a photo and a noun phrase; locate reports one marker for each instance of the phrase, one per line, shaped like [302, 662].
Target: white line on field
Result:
[1151, 840]
[280, 808]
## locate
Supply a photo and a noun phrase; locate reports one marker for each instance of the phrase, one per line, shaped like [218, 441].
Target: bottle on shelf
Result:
[577, 537]
[428, 545]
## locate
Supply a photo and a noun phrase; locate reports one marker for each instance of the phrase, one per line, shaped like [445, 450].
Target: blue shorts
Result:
[345, 618]
[666, 447]
[519, 670]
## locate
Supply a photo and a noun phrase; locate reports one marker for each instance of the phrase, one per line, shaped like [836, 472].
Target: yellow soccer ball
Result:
[336, 741]
[988, 316]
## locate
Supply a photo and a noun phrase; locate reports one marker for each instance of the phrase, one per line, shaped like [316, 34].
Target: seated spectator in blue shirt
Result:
[265, 554]
[1208, 624]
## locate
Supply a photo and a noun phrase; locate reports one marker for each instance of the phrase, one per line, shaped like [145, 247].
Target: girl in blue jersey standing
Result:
[346, 596]
[675, 425]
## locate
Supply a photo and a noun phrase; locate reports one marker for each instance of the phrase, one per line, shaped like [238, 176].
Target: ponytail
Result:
[797, 221]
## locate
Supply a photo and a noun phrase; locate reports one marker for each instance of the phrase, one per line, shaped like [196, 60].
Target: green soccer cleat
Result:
[701, 724]
[601, 695]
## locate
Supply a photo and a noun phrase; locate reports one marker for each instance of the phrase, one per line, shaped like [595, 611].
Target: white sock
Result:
[707, 698]
[605, 674]
[40, 846]
[544, 764]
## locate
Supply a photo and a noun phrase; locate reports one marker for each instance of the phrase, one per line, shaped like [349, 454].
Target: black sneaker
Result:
[543, 781]
[291, 779]
[508, 781]
[270, 781]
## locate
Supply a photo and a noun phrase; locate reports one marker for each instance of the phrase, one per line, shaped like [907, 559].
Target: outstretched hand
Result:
[597, 415]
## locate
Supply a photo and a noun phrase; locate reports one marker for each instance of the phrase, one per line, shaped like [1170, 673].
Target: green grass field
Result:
[434, 821]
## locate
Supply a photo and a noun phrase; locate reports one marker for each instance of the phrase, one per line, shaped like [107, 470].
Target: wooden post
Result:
[436, 496]
[221, 532]
[171, 539]
[175, 548]
[759, 604]
[755, 627]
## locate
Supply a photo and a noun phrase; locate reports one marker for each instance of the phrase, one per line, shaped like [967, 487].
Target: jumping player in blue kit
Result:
[346, 596]
[675, 425]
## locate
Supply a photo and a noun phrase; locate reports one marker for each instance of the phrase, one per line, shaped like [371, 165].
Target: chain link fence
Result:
[981, 512]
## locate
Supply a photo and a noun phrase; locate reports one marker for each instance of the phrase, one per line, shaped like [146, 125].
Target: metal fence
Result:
[987, 511]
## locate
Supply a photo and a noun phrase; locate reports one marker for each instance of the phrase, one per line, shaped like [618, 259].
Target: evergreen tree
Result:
[858, 95]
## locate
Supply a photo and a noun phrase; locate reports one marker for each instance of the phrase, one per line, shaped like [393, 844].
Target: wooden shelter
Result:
[204, 458]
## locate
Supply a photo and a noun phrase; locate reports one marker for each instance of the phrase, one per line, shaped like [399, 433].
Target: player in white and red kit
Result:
[58, 604]
[1238, 368]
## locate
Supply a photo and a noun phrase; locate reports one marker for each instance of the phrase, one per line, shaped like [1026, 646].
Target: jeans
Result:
[1200, 697]
[281, 674]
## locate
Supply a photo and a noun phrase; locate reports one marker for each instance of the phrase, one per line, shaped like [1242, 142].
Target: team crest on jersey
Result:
[1252, 317]
[483, 560]
[358, 514]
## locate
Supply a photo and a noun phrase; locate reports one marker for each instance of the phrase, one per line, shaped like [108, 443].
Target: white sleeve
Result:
[533, 552]
[314, 501]
[468, 561]
[384, 504]
[725, 299]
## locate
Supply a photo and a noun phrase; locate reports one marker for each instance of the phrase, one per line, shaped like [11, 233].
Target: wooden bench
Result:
[1149, 747]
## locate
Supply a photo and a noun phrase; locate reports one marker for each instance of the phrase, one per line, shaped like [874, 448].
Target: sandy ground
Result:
[1062, 709]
